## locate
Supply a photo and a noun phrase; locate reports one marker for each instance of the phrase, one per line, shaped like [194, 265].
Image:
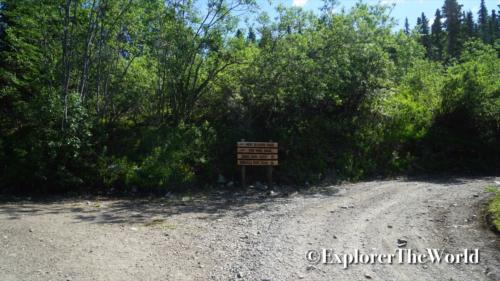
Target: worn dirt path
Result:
[251, 235]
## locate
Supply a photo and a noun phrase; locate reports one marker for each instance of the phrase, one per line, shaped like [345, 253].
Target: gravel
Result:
[250, 236]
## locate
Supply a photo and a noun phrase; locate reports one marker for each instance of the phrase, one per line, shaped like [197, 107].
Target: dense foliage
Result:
[493, 214]
[154, 94]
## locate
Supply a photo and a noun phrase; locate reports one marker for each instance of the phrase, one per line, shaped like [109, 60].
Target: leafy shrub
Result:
[494, 209]
[172, 163]
[41, 156]
[466, 133]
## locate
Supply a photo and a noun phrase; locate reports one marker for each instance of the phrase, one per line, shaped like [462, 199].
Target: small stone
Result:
[239, 275]
[133, 228]
[401, 243]
[334, 236]
[344, 207]
[475, 195]
[272, 193]
[368, 276]
[30, 230]
[389, 226]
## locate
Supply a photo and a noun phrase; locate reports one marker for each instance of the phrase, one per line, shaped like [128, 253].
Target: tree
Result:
[469, 26]
[451, 11]
[251, 35]
[266, 36]
[191, 54]
[493, 26]
[437, 37]
[407, 27]
[423, 26]
[239, 34]
[483, 22]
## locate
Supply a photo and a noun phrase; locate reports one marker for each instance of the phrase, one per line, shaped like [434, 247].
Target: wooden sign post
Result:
[257, 154]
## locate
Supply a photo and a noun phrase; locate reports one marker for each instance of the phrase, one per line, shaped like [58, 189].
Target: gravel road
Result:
[252, 235]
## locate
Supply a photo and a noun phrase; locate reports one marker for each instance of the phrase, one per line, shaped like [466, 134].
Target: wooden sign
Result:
[258, 162]
[257, 153]
[257, 144]
[257, 150]
[258, 156]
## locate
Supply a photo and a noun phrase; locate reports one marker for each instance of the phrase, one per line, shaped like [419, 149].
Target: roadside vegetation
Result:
[153, 95]
[494, 209]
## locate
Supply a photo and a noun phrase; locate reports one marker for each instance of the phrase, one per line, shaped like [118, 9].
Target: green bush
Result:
[494, 210]
[466, 131]
[48, 153]
[174, 162]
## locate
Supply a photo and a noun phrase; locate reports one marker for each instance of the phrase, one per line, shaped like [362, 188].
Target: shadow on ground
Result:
[212, 206]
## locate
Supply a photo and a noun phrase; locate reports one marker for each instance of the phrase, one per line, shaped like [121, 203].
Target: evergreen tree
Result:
[3, 25]
[407, 27]
[251, 35]
[469, 26]
[451, 11]
[423, 27]
[425, 24]
[493, 26]
[437, 37]
[239, 34]
[482, 22]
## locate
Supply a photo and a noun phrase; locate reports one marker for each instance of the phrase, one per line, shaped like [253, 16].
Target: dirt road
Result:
[252, 235]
